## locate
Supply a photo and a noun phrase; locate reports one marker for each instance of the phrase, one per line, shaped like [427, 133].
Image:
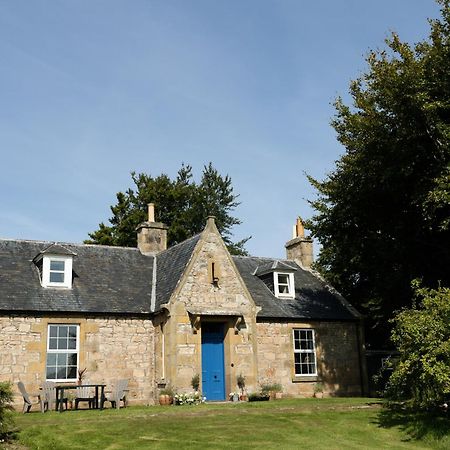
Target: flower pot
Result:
[243, 398]
[165, 399]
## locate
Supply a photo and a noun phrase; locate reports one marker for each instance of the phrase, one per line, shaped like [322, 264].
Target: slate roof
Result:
[170, 265]
[314, 299]
[106, 279]
[120, 280]
[275, 265]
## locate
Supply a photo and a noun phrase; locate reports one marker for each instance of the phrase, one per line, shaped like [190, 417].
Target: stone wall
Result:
[110, 349]
[199, 299]
[338, 358]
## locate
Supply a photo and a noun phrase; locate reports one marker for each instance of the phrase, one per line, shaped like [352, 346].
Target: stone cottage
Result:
[159, 316]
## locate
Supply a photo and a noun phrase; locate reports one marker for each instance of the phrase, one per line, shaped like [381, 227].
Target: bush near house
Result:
[6, 398]
[421, 376]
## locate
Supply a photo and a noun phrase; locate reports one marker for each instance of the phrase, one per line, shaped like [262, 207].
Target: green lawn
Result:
[350, 423]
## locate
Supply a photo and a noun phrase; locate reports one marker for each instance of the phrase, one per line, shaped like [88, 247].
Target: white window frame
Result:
[305, 351]
[46, 261]
[62, 351]
[290, 285]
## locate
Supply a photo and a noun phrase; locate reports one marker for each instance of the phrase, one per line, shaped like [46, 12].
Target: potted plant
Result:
[273, 390]
[195, 382]
[318, 389]
[166, 396]
[241, 385]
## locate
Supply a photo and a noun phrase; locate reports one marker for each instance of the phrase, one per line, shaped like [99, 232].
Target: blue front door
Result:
[213, 379]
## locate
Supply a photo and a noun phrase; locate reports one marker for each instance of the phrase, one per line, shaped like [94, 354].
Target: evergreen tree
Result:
[181, 204]
[383, 215]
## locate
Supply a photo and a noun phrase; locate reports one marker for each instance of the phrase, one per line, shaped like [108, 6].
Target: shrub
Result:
[195, 382]
[422, 336]
[274, 387]
[241, 382]
[258, 397]
[6, 397]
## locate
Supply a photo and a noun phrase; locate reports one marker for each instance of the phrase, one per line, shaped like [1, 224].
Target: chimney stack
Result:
[300, 247]
[151, 235]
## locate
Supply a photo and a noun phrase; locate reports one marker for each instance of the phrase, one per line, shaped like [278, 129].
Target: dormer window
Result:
[278, 276]
[284, 284]
[54, 264]
[57, 271]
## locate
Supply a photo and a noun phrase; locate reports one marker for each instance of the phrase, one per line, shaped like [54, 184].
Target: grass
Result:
[335, 423]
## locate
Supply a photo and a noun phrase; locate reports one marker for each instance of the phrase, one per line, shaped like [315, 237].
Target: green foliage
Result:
[168, 390]
[272, 387]
[182, 204]
[318, 388]
[195, 382]
[422, 336]
[383, 214]
[6, 397]
[258, 397]
[240, 380]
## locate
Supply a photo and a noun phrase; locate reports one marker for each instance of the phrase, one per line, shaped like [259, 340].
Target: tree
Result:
[422, 336]
[383, 214]
[181, 204]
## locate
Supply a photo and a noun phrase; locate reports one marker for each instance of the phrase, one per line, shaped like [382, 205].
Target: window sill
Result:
[305, 378]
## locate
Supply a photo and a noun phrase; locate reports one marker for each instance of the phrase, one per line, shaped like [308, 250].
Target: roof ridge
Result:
[179, 243]
[62, 243]
[272, 258]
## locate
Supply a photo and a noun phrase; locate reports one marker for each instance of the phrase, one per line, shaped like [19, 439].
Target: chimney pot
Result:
[151, 212]
[300, 229]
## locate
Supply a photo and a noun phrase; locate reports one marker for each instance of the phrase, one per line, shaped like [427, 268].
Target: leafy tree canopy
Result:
[422, 336]
[383, 214]
[181, 203]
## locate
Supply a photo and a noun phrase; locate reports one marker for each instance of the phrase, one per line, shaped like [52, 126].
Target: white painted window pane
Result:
[57, 265]
[62, 364]
[56, 277]
[283, 279]
[304, 352]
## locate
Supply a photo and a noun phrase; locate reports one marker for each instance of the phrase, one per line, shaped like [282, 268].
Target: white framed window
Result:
[62, 352]
[284, 284]
[304, 352]
[57, 271]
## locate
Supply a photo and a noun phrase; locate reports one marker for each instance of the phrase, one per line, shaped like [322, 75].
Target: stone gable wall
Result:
[198, 294]
[110, 349]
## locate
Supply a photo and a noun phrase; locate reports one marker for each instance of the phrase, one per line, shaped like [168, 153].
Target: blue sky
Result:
[91, 90]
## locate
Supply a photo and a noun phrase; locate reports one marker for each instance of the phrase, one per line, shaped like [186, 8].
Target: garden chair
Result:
[84, 394]
[118, 394]
[27, 402]
[49, 394]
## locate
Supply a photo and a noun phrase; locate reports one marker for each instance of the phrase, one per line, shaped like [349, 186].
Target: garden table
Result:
[97, 404]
